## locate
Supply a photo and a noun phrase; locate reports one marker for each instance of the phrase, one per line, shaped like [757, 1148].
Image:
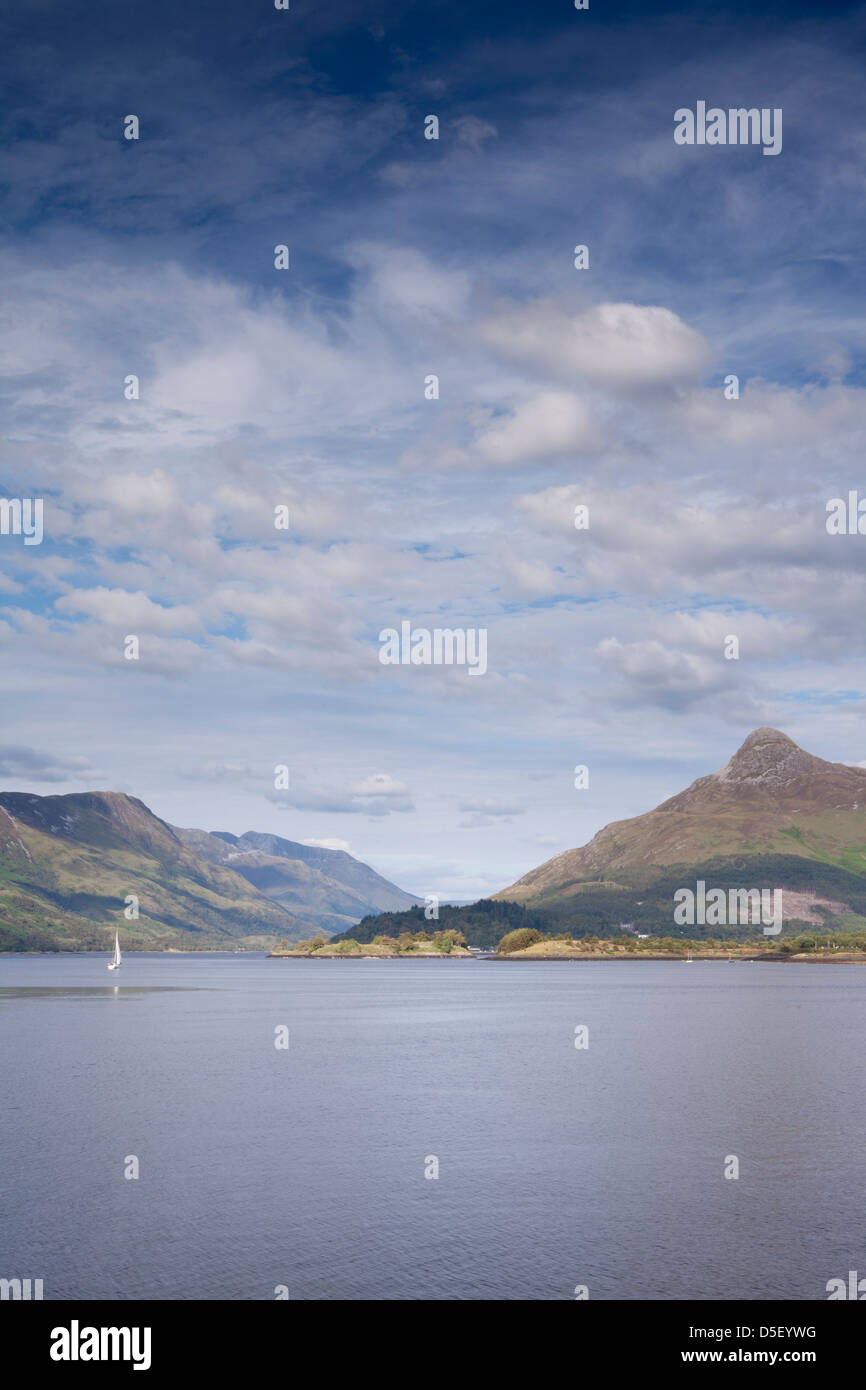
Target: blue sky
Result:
[558, 387]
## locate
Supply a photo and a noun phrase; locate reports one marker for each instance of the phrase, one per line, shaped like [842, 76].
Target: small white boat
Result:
[688, 960]
[115, 963]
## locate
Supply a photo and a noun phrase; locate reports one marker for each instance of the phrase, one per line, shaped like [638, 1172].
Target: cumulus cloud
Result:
[553, 424]
[134, 613]
[768, 415]
[614, 345]
[651, 673]
[377, 795]
[307, 389]
[404, 280]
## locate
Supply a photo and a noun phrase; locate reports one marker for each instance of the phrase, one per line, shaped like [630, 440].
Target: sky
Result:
[304, 388]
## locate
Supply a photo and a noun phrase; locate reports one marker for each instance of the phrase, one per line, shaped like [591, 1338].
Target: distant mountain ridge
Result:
[329, 888]
[70, 864]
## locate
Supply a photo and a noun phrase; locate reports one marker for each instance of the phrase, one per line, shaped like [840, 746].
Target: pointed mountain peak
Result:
[769, 758]
[771, 798]
[765, 735]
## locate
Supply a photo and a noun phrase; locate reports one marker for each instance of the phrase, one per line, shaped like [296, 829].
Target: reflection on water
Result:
[87, 991]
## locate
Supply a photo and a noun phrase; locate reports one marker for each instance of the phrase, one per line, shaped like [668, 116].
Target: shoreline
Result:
[518, 959]
[373, 955]
[771, 957]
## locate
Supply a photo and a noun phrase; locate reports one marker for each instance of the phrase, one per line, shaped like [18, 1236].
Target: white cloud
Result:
[402, 280]
[651, 673]
[614, 345]
[128, 612]
[377, 795]
[552, 424]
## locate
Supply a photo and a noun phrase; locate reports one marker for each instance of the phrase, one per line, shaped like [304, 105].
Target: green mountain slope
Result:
[68, 863]
[774, 817]
[771, 800]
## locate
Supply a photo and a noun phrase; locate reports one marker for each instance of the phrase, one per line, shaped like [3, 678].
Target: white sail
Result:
[115, 963]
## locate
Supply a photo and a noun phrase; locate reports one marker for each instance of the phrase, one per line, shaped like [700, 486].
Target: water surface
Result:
[305, 1167]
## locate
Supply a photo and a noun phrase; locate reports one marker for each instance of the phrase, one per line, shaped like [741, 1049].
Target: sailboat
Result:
[115, 963]
[688, 959]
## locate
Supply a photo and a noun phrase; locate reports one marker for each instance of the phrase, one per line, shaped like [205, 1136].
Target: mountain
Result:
[327, 888]
[67, 864]
[774, 816]
[774, 811]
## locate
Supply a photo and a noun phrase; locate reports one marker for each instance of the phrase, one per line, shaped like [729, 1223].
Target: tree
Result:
[518, 940]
